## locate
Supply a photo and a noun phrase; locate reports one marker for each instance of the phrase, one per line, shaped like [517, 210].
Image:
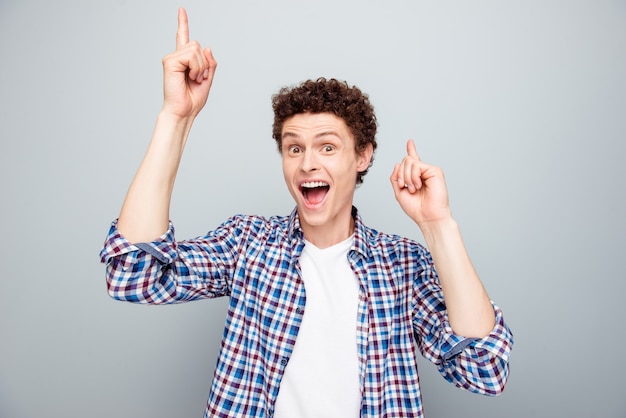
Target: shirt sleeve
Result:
[166, 271]
[478, 365]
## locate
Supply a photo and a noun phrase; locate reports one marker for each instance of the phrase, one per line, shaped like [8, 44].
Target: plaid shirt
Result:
[254, 260]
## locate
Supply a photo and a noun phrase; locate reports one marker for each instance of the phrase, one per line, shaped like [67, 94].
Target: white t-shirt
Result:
[322, 376]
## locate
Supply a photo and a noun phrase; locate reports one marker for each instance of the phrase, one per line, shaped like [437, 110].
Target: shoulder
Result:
[401, 254]
[387, 242]
[371, 240]
[255, 226]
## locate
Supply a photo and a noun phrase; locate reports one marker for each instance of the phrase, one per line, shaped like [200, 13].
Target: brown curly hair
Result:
[332, 96]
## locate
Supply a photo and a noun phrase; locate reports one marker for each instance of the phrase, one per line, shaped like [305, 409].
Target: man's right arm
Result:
[187, 77]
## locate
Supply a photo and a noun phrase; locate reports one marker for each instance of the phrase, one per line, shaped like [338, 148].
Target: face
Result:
[320, 165]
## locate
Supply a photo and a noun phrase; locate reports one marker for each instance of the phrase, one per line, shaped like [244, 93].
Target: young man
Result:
[324, 313]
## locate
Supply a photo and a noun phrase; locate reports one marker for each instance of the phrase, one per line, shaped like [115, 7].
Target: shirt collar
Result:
[360, 235]
[360, 231]
[293, 226]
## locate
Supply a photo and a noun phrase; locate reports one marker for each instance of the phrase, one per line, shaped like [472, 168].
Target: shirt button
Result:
[299, 311]
[283, 361]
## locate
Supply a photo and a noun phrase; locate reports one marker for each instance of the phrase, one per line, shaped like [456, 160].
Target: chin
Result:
[313, 217]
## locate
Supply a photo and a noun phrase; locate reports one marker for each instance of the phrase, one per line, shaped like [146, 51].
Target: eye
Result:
[328, 148]
[294, 149]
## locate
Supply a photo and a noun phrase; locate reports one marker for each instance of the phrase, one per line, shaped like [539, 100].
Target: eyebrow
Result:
[290, 134]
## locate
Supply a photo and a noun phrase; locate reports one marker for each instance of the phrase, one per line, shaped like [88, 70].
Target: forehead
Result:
[304, 123]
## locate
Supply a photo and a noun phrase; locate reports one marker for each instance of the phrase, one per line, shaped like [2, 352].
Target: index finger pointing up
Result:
[411, 150]
[182, 35]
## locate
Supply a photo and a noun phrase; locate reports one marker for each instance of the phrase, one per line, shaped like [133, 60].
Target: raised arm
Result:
[421, 191]
[187, 77]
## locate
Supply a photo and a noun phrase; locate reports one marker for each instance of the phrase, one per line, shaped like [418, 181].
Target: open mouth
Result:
[314, 192]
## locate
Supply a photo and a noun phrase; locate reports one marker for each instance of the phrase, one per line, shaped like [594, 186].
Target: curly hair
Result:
[332, 96]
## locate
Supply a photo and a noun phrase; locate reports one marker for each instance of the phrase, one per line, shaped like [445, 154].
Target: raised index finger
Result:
[411, 150]
[182, 34]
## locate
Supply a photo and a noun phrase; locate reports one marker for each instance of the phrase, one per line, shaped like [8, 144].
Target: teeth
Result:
[313, 184]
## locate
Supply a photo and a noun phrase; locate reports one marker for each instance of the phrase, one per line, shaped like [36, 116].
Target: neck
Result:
[327, 235]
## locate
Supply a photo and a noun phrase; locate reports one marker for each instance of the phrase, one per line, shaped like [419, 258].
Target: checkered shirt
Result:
[254, 261]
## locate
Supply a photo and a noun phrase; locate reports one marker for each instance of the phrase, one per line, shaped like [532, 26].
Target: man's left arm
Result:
[421, 190]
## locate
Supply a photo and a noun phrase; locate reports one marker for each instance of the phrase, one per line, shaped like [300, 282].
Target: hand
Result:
[420, 188]
[187, 73]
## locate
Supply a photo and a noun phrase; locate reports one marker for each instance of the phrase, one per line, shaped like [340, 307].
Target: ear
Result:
[364, 158]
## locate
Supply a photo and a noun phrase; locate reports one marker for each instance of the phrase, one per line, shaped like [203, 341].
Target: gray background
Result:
[522, 103]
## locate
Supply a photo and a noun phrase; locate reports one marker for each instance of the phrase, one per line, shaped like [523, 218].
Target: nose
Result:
[309, 162]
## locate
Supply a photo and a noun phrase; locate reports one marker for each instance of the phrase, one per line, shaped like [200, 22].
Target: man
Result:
[324, 313]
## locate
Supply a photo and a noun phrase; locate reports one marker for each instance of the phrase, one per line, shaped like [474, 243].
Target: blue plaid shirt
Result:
[254, 260]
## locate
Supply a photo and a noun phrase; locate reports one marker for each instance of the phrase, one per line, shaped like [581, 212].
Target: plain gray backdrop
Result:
[522, 103]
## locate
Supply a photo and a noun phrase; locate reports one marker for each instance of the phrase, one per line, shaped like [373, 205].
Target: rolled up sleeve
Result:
[162, 271]
[478, 365]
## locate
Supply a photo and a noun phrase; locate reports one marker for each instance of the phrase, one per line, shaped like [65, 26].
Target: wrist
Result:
[434, 230]
[172, 129]
[168, 117]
